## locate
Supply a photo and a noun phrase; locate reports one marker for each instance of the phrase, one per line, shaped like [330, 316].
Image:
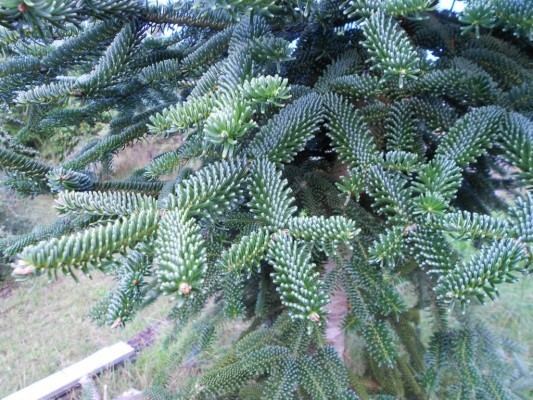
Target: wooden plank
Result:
[66, 379]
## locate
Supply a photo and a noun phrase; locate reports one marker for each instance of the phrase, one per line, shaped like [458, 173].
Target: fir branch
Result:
[211, 190]
[471, 135]
[107, 145]
[163, 164]
[246, 254]
[494, 264]
[183, 115]
[389, 48]
[103, 203]
[350, 135]
[390, 249]
[391, 193]
[517, 142]
[127, 297]
[181, 259]
[297, 282]
[356, 87]
[333, 230]
[288, 131]
[521, 219]
[186, 15]
[12, 161]
[401, 129]
[467, 225]
[88, 247]
[272, 200]
[63, 225]
[147, 188]
[440, 176]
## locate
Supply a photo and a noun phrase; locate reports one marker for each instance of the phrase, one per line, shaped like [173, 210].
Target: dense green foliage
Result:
[329, 149]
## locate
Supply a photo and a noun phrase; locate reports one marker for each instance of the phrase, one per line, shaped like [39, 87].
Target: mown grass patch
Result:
[44, 327]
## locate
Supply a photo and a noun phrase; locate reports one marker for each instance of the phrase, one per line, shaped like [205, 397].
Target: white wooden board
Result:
[60, 382]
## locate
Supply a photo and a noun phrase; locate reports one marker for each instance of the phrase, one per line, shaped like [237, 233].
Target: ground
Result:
[44, 327]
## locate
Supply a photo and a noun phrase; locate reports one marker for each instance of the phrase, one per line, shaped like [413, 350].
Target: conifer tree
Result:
[329, 148]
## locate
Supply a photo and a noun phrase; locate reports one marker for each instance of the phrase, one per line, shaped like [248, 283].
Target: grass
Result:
[511, 314]
[44, 327]
[170, 363]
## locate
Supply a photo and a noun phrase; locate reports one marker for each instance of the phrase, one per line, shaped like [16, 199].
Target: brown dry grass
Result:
[141, 153]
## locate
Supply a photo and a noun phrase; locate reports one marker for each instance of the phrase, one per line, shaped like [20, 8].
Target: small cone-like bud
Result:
[117, 323]
[22, 8]
[314, 317]
[185, 288]
[22, 268]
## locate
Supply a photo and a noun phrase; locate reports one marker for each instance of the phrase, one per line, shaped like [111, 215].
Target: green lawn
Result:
[512, 313]
[44, 327]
